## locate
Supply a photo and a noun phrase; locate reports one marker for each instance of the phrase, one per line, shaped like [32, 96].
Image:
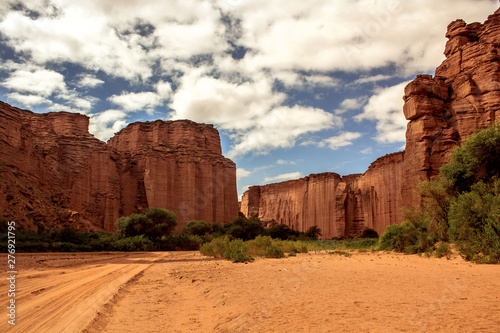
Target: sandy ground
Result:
[186, 292]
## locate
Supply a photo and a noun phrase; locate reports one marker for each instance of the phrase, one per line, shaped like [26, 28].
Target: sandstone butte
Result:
[53, 172]
[444, 110]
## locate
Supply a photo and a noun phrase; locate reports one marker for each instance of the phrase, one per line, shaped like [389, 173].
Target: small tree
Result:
[313, 232]
[154, 224]
[478, 158]
[243, 228]
[199, 228]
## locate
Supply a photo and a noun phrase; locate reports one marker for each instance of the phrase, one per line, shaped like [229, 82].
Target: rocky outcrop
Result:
[300, 203]
[338, 205]
[444, 110]
[54, 172]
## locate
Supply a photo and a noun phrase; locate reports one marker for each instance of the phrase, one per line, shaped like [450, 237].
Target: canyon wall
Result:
[462, 97]
[54, 172]
[338, 205]
[444, 110]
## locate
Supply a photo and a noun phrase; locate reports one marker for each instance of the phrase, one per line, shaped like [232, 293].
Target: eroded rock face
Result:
[54, 172]
[338, 205]
[444, 110]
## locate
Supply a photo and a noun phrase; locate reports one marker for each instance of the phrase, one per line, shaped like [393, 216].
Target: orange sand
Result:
[186, 292]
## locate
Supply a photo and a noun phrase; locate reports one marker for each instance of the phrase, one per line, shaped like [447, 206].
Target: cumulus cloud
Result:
[372, 79]
[219, 61]
[142, 101]
[242, 173]
[351, 104]
[350, 35]
[28, 100]
[36, 81]
[89, 81]
[283, 177]
[280, 128]
[105, 124]
[385, 107]
[335, 142]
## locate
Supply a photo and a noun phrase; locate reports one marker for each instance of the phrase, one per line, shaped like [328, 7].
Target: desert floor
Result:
[315, 292]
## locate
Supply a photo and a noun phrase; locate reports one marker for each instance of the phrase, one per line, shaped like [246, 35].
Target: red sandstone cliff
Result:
[338, 205]
[443, 110]
[54, 172]
[446, 109]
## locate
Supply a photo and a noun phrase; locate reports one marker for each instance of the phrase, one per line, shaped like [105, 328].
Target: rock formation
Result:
[54, 172]
[444, 110]
[463, 96]
[338, 205]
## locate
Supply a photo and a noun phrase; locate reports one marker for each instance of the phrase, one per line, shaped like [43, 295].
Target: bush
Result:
[282, 231]
[136, 243]
[199, 228]
[478, 158]
[154, 224]
[244, 228]
[410, 237]
[216, 247]
[313, 232]
[475, 224]
[181, 242]
[443, 250]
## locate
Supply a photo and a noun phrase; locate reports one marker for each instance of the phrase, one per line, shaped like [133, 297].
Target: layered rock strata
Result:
[54, 172]
[338, 205]
[444, 110]
[462, 97]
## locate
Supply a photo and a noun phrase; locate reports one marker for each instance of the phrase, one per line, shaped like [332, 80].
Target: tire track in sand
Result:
[67, 300]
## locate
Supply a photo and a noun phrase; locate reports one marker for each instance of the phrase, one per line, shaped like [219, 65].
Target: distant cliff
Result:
[338, 205]
[53, 172]
[444, 110]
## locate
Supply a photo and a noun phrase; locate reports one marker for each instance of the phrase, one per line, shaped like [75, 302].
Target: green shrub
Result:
[313, 232]
[154, 224]
[243, 228]
[136, 243]
[216, 247]
[387, 239]
[410, 237]
[181, 242]
[199, 228]
[475, 223]
[442, 250]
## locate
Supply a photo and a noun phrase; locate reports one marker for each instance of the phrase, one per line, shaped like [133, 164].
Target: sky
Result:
[294, 87]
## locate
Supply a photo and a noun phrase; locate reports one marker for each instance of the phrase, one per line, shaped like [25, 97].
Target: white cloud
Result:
[280, 128]
[105, 124]
[242, 173]
[351, 104]
[335, 142]
[350, 35]
[89, 81]
[284, 162]
[385, 107]
[283, 177]
[142, 101]
[296, 42]
[371, 79]
[232, 105]
[301, 81]
[28, 100]
[368, 150]
[36, 81]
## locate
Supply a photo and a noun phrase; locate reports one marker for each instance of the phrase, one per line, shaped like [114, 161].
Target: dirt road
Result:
[186, 292]
[66, 299]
